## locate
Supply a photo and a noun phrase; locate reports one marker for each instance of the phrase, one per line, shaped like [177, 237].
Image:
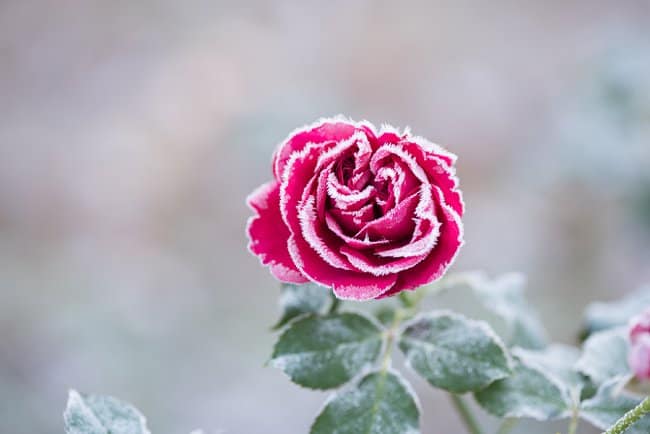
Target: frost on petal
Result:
[432, 148]
[356, 243]
[441, 257]
[640, 326]
[352, 221]
[319, 239]
[268, 234]
[440, 173]
[425, 233]
[324, 130]
[639, 357]
[397, 224]
[346, 284]
[376, 265]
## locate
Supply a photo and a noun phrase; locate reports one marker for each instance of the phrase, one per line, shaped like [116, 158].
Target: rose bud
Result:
[366, 212]
[639, 356]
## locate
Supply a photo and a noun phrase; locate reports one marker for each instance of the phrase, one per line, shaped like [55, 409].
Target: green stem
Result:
[465, 414]
[335, 305]
[630, 417]
[390, 338]
[573, 423]
[507, 425]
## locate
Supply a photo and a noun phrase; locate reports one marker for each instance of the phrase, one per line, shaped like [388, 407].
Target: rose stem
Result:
[465, 414]
[335, 305]
[573, 423]
[507, 425]
[390, 337]
[630, 417]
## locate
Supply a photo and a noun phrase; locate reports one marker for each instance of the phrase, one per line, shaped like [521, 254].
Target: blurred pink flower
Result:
[639, 357]
[368, 213]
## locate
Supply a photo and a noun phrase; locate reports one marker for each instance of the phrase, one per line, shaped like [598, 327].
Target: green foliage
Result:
[296, 300]
[605, 315]
[93, 414]
[320, 348]
[558, 363]
[386, 315]
[380, 403]
[604, 355]
[609, 404]
[325, 352]
[528, 392]
[454, 353]
[505, 296]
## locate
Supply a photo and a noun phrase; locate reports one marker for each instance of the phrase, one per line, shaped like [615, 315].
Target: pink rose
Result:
[368, 213]
[639, 357]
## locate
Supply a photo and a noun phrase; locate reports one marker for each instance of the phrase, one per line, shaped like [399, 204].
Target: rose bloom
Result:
[639, 356]
[366, 212]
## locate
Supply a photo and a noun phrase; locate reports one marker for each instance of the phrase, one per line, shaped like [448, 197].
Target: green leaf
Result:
[325, 352]
[505, 296]
[605, 315]
[609, 404]
[93, 414]
[454, 353]
[557, 362]
[604, 355]
[528, 392]
[381, 403]
[296, 300]
[386, 315]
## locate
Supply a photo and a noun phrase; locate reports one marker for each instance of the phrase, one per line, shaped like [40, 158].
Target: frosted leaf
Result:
[609, 404]
[453, 352]
[296, 300]
[385, 314]
[381, 403]
[528, 392]
[505, 296]
[604, 355]
[325, 352]
[557, 361]
[604, 315]
[93, 414]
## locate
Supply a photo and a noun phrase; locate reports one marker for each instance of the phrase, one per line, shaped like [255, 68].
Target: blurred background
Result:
[131, 132]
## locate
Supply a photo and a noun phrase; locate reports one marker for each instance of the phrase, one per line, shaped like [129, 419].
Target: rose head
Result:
[368, 213]
[639, 357]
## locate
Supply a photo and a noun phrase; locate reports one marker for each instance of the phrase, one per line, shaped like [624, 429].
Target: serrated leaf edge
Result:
[357, 380]
[76, 397]
[581, 365]
[483, 325]
[364, 369]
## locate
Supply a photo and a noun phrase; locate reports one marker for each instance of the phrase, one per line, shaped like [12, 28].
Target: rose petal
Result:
[440, 258]
[424, 144]
[440, 173]
[324, 130]
[353, 221]
[320, 240]
[395, 225]
[396, 151]
[348, 285]
[366, 243]
[377, 266]
[426, 231]
[639, 326]
[269, 235]
[639, 357]
[345, 198]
